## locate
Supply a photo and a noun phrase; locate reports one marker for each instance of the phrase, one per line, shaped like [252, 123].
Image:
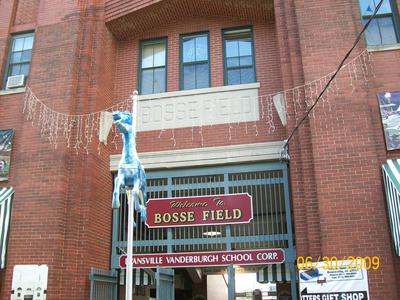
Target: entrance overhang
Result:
[195, 274]
[127, 18]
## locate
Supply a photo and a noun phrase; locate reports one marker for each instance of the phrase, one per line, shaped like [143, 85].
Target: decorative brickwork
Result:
[26, 12]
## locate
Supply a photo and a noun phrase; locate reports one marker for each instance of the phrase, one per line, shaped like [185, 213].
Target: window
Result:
[383, 30]
[19, 56]
[195, 67]
[153, 70]
[239, 56]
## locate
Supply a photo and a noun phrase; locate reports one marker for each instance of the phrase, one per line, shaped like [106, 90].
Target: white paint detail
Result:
[13, 91]
[393, 169]
[210, 106]
[279, 103]
[207, 156]
[106, 121]
[377, 48]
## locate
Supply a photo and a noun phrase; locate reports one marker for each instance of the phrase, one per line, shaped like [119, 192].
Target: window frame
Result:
[143, 43]
[224, 58]
[9, 55]
[394, 16]
[182, 64]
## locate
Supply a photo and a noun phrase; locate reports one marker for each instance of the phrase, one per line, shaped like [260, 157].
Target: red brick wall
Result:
[267, 68]
[387, 74]
[347, 148]
[7, 11]
[26, 12]
[62, 211]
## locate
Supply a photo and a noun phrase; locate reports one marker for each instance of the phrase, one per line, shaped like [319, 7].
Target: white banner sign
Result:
[341, 281]
[200, 107]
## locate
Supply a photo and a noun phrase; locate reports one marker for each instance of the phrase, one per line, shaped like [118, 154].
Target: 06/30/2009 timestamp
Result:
[332, 262]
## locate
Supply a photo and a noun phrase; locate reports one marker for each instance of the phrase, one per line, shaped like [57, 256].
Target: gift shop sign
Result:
[201, 210]
[206, 259]
[340, 281]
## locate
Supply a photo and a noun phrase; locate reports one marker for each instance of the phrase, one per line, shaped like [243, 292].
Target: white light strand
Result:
[79, 131]
[298, 96]
[262, 106]
[371, 64]
[350, 70]
[160, 134]
[296, 115]
[115, 136]
[173, 138]
[201, 136]
[256, 127]
[270, 114]
[363, 68]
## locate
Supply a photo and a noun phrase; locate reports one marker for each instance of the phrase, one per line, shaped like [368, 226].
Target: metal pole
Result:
[293, 285]
[131, 205]
[291, 259]
[134, 98]
[231, 283]
[129, 261]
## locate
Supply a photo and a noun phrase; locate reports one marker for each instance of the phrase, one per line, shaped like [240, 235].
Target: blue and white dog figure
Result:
[131, 175]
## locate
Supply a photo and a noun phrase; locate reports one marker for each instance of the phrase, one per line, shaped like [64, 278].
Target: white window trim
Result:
[12, 91]
[377, 48]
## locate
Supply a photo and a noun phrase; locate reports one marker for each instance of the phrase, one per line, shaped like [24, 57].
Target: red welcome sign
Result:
[206, 259]
[201, 210]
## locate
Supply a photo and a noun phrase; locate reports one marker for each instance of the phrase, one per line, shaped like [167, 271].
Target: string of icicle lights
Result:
[79, 131]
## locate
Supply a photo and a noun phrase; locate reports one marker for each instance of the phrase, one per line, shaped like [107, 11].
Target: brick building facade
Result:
[86, 55]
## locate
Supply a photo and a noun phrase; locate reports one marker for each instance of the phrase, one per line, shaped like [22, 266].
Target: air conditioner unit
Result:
[15, 81]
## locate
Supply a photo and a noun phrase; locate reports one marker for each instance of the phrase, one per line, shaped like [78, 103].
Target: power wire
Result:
[334, 75]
